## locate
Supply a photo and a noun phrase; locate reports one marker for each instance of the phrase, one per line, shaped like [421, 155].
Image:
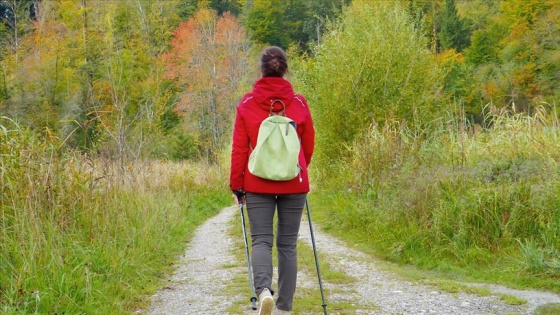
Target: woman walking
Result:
[272, 92]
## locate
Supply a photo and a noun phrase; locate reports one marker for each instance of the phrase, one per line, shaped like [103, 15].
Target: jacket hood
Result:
[267, 89]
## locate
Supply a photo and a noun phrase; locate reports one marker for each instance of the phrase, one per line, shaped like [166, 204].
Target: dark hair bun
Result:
[273, 62]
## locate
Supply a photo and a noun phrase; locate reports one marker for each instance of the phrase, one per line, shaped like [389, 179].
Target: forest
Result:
[135, 78]
[452, 155]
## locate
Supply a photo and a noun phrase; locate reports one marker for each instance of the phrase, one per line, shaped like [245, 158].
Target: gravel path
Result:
[208, 265]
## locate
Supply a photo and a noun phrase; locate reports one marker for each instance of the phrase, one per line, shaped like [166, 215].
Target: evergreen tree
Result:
[267, 24]
[318, 13]
[287, 23]
[454, 32]
[222, 6]
[188, 8]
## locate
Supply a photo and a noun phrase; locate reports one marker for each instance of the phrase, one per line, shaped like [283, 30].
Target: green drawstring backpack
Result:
[276, 155]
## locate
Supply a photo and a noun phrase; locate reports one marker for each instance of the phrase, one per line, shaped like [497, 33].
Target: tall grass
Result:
[461, 198]
[79, 235]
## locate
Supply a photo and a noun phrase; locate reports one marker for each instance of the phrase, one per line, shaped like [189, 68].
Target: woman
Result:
[263, 197]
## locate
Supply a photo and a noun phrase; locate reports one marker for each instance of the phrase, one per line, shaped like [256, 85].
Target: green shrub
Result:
[372, 67]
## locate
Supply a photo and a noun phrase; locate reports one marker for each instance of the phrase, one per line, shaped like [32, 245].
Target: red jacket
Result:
[251, 111]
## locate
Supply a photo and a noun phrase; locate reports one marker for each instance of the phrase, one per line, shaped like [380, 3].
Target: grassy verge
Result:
[473, 206]
[80, 236]
[549, 309]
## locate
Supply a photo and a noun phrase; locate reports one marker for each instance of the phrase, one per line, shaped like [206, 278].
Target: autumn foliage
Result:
[207, 61]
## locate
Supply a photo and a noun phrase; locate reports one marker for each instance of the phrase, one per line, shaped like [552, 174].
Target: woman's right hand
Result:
[239, 196]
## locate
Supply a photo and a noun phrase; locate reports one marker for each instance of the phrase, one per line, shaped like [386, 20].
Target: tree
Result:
[129, 92]
[532, 39]
[15, 22]
[89, 71]
[514, 55]
[319, 13]
[478, 12]
[208, 60]
[546, 32]
[266, 22]
[15, 15]
[187, 9]
[484, 48]
[453, 30]
[424, 14]
[40, 75]
[222, 6]
[290, 23]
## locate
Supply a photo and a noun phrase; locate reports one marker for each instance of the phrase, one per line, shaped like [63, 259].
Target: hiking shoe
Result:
[281, 312]
[266, 302]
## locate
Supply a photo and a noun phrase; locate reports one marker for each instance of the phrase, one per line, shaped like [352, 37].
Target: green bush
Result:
[372, 67]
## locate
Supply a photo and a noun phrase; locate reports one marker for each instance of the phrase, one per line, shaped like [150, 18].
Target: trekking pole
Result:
[253, 296]
[316, 258]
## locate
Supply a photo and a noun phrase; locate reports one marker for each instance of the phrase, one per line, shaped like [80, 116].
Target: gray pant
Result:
[261, 208]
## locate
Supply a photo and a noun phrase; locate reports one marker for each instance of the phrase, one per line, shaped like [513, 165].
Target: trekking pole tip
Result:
[253, 303]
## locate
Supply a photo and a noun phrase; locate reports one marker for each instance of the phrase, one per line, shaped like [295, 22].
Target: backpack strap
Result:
[282, 112]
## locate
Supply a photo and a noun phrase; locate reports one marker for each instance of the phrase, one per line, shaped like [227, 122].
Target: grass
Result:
[548, 309]
[481, 207]
[80, 236]
[512, 300]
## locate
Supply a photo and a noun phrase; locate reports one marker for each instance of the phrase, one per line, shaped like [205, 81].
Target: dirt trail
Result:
[208, 265]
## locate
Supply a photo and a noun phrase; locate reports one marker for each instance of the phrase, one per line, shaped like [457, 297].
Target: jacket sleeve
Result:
[308, 137]
[239, 152]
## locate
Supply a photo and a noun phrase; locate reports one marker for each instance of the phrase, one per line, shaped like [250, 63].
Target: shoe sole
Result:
[266, 306]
